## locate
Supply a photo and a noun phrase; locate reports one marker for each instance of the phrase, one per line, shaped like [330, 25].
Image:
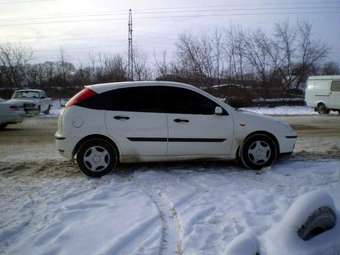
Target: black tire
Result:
[48, 110]
[256, 158]
[322, 109]
[321, 220]
[107, 153]
[3, 126]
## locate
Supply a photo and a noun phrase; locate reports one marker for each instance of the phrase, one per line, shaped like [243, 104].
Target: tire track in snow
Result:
[172, 231]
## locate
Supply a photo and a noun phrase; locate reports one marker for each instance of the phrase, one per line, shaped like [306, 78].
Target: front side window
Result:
[335, 86]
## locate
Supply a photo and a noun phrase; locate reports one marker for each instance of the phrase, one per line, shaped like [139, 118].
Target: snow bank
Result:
[244, 244]
[282, 110]
[283, 237]
[57, 106]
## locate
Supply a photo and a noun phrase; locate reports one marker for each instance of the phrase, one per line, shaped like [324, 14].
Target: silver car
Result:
[10, 113]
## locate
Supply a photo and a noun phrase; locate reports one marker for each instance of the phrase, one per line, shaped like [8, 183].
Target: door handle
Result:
[181, 120]
[121, 117]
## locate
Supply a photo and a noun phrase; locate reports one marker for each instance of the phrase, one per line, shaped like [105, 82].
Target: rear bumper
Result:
[63, 146]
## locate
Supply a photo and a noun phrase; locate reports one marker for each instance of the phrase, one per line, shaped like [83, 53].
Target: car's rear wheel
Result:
[97, 157]
[258, 151]
[322, 109]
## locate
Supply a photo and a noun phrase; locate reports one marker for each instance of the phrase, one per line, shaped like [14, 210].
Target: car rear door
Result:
[193, 127]
[134, 118]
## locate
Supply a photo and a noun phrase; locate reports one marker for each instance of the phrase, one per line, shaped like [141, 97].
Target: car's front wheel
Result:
[97, 157]
[258, 151]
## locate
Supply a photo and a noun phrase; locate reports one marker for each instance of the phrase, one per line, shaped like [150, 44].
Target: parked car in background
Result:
[323, 93]
[10, 113]
[106, 124]
[35, 100]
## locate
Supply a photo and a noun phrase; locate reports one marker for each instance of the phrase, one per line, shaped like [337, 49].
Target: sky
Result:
[86, 27]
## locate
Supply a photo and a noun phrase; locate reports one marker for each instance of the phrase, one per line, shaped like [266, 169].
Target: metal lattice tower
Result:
[130, 49]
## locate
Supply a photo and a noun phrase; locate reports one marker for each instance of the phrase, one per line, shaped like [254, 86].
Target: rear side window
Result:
[335, 86]
[184, 101]
[136, 99]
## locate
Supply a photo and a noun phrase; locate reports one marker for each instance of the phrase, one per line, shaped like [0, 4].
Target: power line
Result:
[26, 2]
[167, 17]
[221, 8]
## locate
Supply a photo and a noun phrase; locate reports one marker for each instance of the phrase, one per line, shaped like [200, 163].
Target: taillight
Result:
[80, 97]
[14, 108]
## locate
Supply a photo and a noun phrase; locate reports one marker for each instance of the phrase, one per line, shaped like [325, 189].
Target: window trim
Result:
[163, 108]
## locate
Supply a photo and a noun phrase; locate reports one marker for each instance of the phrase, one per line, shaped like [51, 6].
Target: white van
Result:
[323, 93]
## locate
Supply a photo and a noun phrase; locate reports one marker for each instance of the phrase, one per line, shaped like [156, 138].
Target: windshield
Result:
[26, 94]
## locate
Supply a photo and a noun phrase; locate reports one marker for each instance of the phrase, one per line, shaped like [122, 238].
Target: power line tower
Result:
[130, 49]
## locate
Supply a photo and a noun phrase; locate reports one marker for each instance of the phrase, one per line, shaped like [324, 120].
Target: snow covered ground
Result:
[48, 207]
[186, 208]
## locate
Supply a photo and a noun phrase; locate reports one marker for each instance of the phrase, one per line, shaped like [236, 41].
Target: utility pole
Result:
[130, 49]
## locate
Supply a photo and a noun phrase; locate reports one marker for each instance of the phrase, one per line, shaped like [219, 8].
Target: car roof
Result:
[34, 90]
[324, 77]
[103, 87]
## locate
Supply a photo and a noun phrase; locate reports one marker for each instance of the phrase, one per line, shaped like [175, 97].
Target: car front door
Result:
[136, 121]
[193, 127]
[334, 101]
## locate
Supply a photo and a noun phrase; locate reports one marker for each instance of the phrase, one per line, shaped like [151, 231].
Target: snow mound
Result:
[283, 237]
[282, 110]
[244, 244]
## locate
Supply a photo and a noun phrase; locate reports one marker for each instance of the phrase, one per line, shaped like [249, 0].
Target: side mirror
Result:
[218, 110]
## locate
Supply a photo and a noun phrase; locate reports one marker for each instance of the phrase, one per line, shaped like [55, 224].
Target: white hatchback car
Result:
[105, 124]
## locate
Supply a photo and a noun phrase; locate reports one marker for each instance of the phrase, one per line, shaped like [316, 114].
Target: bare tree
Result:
[330, 68]
[286, 47]
[14, 60]
[140, 66]
[311, 53]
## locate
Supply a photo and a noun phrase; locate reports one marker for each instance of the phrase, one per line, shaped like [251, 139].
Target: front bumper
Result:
[287, 144]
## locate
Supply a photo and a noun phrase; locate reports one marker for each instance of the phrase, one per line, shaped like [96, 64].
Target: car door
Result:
[193, 127]
[335, 95]
[43, 101]
[135, 120]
